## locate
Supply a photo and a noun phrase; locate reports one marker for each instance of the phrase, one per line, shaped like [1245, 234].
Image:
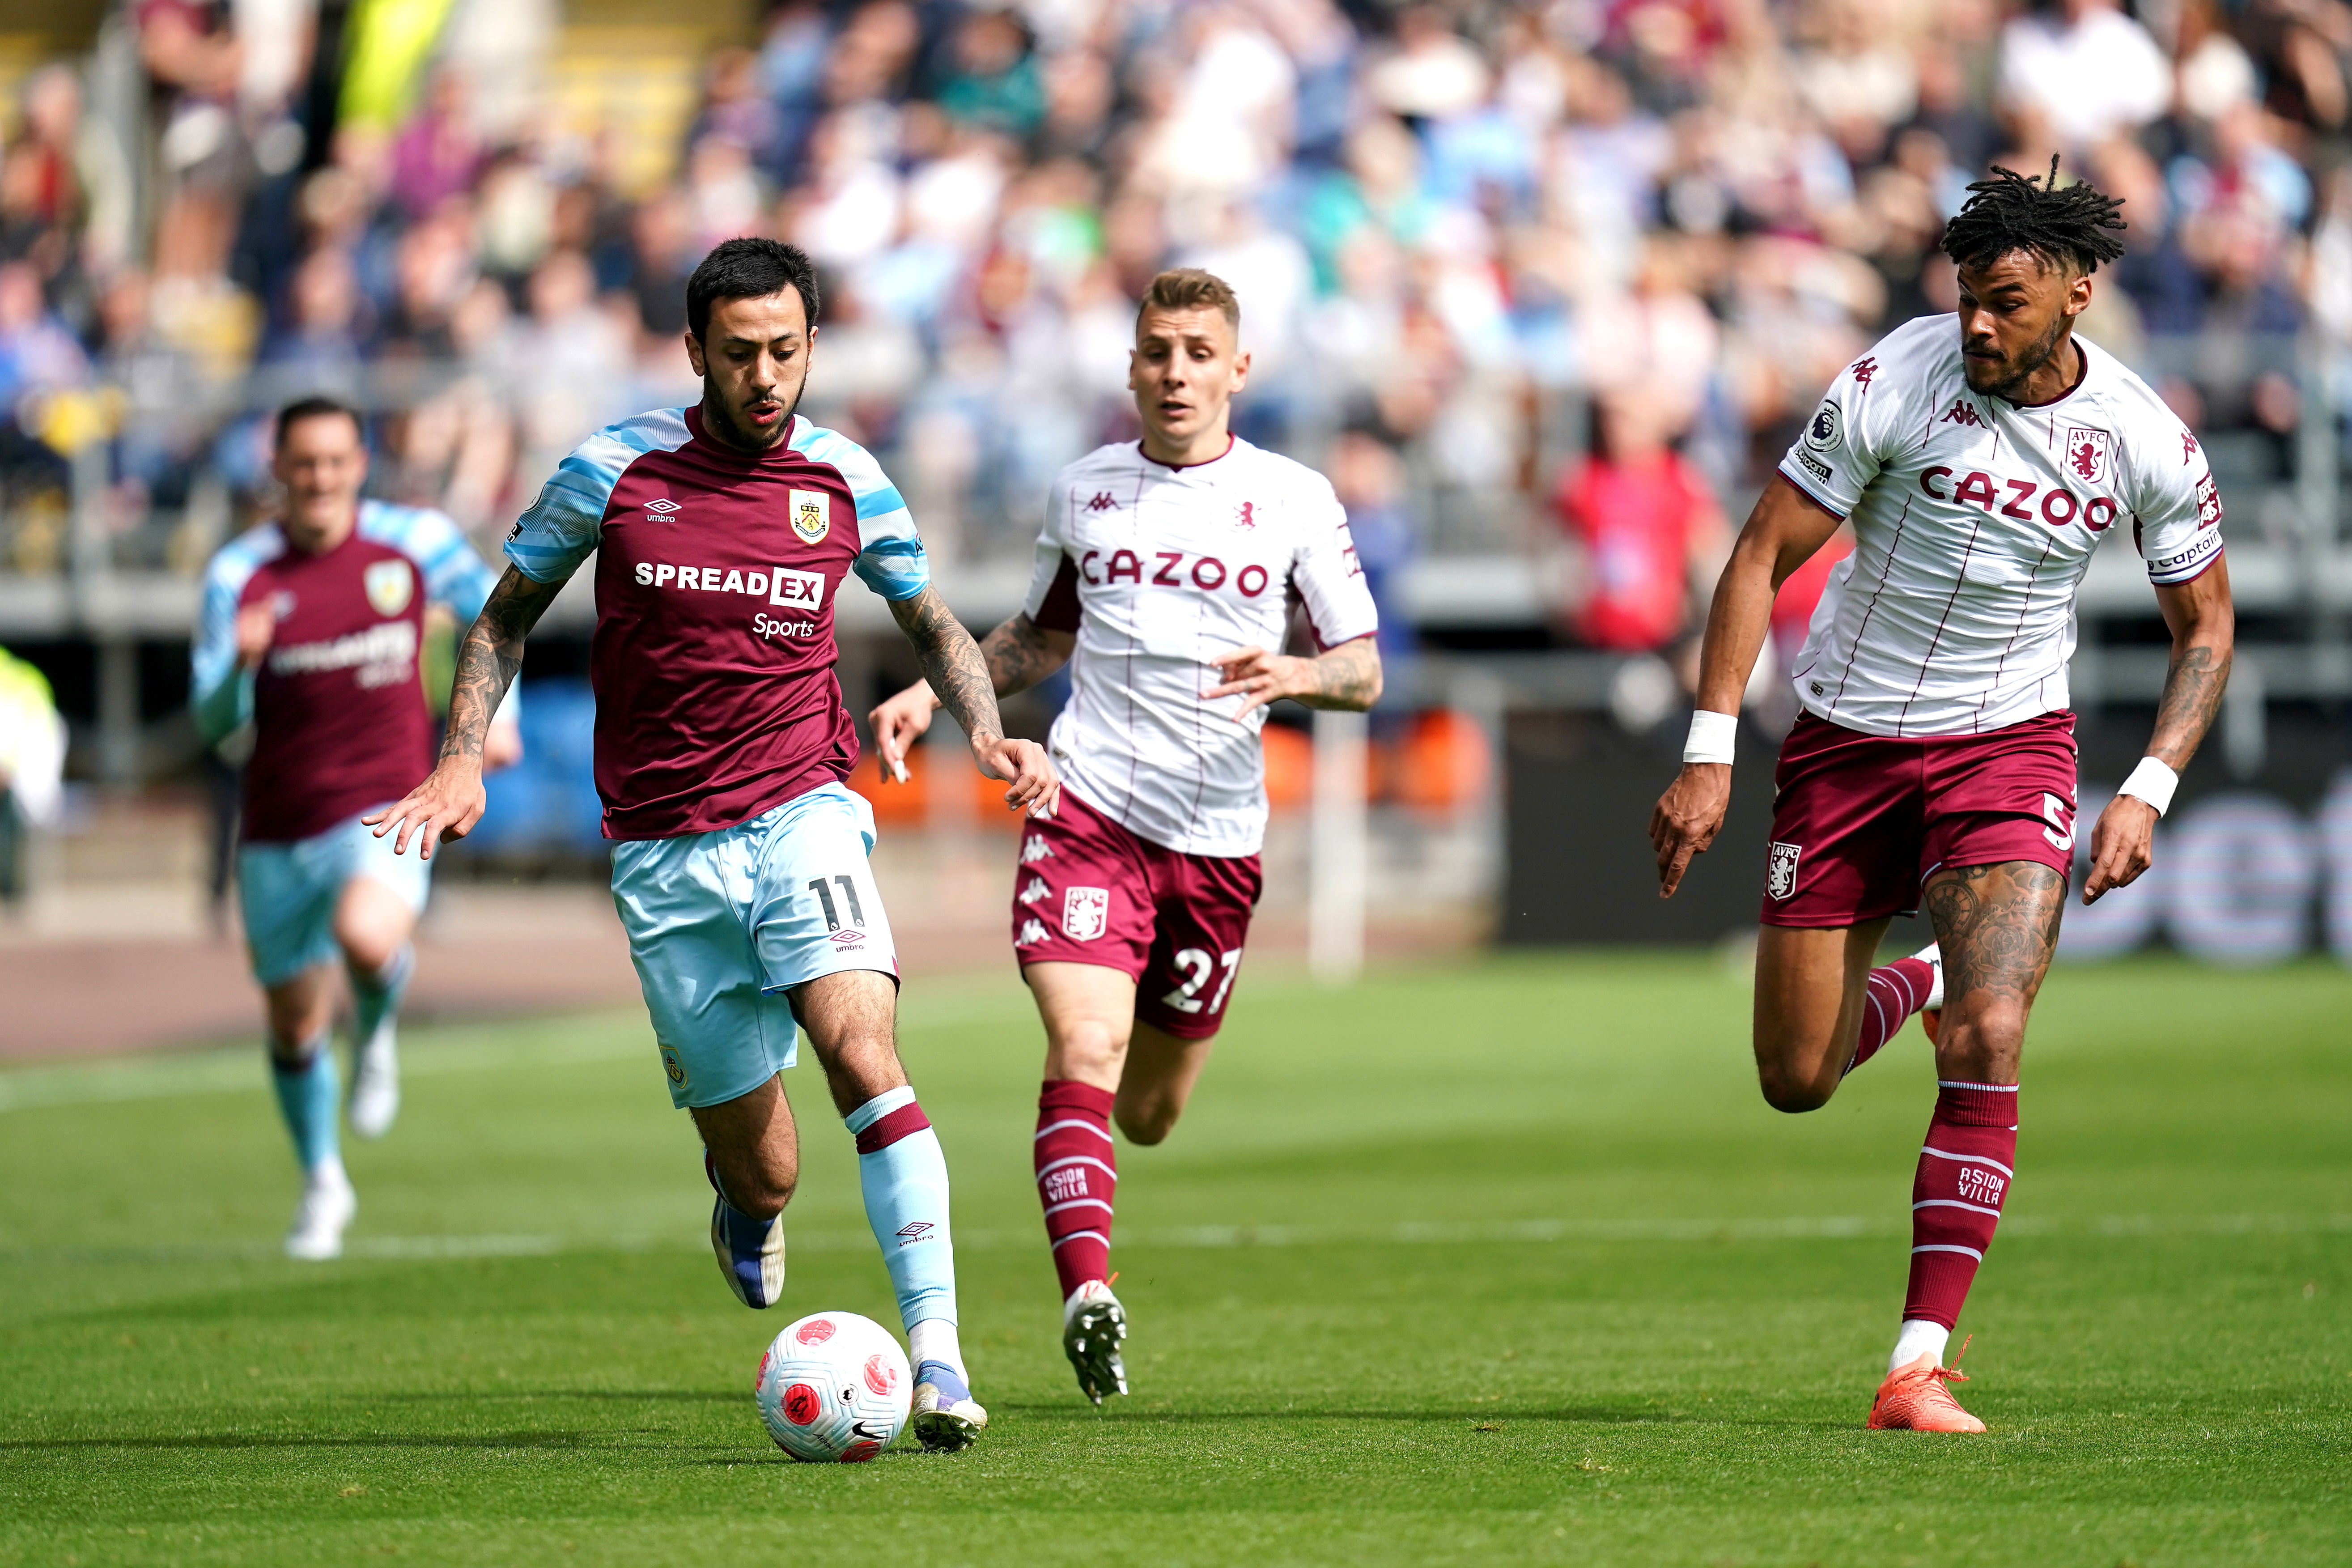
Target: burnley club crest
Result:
[389, 585]
[811, 515]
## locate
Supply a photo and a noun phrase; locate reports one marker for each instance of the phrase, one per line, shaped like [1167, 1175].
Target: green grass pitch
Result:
[1496, 1263]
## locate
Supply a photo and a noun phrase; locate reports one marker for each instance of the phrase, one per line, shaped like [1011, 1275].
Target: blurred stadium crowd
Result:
[1563, 272]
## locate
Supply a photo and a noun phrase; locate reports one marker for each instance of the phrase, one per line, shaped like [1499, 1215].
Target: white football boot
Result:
[1093, 1324]
[947, 1418]
[375, 1082]
[327, 1207]
[750, 1251]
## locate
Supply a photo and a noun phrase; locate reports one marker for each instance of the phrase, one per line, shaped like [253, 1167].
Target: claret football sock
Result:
[1964, 1176]
[1896, 991]
[904, 1176]
[310, 1097]
[1078, 1178]
[376, 997]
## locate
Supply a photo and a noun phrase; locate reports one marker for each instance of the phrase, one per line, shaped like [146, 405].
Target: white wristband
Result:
[2153, 783]
[1711, 737]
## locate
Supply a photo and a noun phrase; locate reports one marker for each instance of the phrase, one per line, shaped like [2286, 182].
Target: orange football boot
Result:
[1914, 1398]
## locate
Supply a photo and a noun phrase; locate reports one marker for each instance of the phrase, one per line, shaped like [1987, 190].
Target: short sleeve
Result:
[890, 558]
[1329, 579]
[1051, 601]
[2177, 516]
[563, 527]
[1846, 440]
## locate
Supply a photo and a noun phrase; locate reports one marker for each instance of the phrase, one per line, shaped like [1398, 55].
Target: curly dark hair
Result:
[2071, 225]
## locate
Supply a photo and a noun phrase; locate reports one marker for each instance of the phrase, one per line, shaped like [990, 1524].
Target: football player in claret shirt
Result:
[1981, 459]
[1166, 577]
[723, 535]
[309, 631]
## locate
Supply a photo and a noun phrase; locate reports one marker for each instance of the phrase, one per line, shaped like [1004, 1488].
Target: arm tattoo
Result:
[951, 663]
[2192, 696]
[1020, 654]
[1347, 676]
[490, 657]
[1998, 926]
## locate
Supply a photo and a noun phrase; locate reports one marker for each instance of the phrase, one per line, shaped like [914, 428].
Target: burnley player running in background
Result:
[723, 535]
[309, 632]
[1982, 460]
[1166, 577]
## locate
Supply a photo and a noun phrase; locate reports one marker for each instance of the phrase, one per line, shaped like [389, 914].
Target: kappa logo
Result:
[2086, 453]
[1033, 931]
[662, 508]
[1102, 503]
[1780, 876]
[389, 585]
[1862, 370]
[2187, 448]
[1246, 517]
[1033, 850]
[912, 1231]
[1035, 890]
[1963, 413]
[812, 514]
[1085, 912]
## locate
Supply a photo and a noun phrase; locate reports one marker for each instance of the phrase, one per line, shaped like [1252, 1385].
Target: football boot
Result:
[946, 1417]
[1093, 1324]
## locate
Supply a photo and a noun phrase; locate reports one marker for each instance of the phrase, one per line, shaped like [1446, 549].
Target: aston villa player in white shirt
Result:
[1166, 577]
[1981, 461]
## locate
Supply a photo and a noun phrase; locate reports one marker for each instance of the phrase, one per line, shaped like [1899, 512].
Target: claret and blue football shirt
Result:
[716, 575]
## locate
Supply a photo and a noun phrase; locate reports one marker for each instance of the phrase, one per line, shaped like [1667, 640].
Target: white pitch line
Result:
[1417, 1233]
[238, 1069]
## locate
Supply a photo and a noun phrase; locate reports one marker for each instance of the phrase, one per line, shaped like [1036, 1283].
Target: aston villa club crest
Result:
[389, 585]
[2086, 454]
[1085, 912]
[1780, 874]
[811, 515]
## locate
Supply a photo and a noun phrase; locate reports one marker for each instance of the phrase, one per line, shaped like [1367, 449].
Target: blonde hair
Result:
[1191, 288]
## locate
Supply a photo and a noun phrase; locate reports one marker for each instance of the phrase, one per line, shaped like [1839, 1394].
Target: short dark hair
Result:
[2074, 226]
[318, 405]
[748, 269]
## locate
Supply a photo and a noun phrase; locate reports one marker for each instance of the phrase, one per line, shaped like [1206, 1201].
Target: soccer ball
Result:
[834, 1387]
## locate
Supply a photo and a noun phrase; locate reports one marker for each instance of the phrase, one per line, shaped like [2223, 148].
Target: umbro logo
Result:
[1102, 503]
[915, 1231]
[661, 507]
[1962, 412]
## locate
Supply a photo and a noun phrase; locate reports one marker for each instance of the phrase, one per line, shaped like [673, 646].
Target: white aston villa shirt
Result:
[1158, 570]
[1974, 520]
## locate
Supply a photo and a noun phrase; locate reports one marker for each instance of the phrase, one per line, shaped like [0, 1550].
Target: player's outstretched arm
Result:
[450, 800]
[1020, 654]
[1347, 676]
[2204, 626]
[954, 668]
[1781, 534]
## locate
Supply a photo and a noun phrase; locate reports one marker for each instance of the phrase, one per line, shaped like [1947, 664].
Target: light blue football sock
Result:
[376, 998]
[310, 1097]
[904, 1176]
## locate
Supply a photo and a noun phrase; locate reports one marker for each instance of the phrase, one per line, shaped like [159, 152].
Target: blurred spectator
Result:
[32, 760]
[1647, 528]
[2084, 70]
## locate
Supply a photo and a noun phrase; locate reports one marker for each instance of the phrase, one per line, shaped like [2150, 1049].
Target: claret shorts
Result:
[1088, 890]
[1861, 822]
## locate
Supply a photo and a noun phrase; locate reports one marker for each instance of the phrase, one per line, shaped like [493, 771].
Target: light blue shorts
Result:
[287, 893]
[722, 924]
